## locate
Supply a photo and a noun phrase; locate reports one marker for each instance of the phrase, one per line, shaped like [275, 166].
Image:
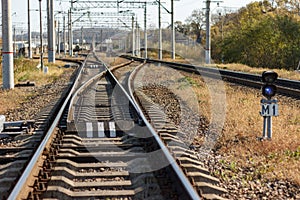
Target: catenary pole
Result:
[64, 35]
[81, 37]
[29, 32]
[208, 39]
[48, 31]
[208, 30]
[7, 49]
[173, 30]
[71, 30]
[58, 37]
[145, 32]
[51, 32]
[160, 32]
[41, 35]
[70, 34]
[133, 37]
[14, 43]
[137, 30]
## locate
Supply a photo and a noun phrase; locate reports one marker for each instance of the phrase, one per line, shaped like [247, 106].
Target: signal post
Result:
[269, 106]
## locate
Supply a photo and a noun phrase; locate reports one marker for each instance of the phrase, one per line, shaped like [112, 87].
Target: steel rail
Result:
[21, 182]
[185, 182]
[32, 163]
[75, 85]
[182, 177]
[284, 86]
[121, 87]
[70, 118]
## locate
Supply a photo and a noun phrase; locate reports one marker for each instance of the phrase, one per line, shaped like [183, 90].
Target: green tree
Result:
[259, 36]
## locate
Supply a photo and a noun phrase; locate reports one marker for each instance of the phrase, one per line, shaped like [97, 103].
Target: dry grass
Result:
[25, 70]
[276, 159]
[111, 61]
[11, 99]
[195, 54]
[282, 73]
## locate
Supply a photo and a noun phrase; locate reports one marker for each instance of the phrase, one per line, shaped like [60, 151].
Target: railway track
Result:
[101, 145]
[284, 86]
[19, 140]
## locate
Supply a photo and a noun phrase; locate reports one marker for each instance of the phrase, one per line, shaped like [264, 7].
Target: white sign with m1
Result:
[268, 110]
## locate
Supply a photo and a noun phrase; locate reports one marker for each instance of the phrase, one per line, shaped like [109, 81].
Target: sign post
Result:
[269, 106]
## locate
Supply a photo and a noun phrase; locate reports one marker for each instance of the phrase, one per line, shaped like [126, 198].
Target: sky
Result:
[183, 9]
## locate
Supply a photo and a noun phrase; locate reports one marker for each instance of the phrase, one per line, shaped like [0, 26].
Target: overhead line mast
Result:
[208, 32]
[7, 52]
[89, 4]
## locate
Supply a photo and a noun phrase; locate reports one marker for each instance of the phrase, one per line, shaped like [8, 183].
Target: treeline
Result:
[263, 34]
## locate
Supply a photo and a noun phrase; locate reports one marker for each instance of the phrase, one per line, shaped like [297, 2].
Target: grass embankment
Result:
[282, 73]
[194, 55]
[26, 70]
[278, 159]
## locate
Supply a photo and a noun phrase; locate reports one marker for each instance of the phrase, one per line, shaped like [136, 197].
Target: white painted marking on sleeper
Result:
[112, 129]
[101, 129]
[89, 129]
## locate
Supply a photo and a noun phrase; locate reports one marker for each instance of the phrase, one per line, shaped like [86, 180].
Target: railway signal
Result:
[269, 106]
[269, 89]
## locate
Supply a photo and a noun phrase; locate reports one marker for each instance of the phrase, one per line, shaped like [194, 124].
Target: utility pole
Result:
[159, 32]
[101, 39]
[14, 45]
[70, 34]
[145, 32]
[173, 30]
[81, 38]
[139, 40]
[47, 25]
[51, 32]
[64, 36]
[70, 30]
[29, 32]
[208, 39]
[133, 37]
[137, 37]
[58, 37]
[7, 52]
[208, 32]
[41, 35]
